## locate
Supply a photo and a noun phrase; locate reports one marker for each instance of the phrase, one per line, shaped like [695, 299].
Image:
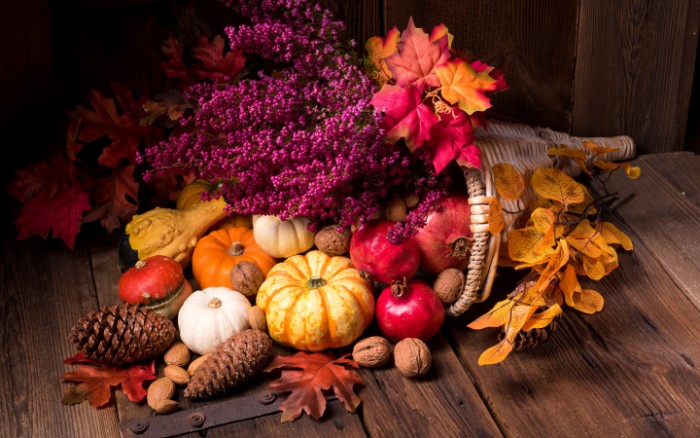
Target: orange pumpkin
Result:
[219, 251]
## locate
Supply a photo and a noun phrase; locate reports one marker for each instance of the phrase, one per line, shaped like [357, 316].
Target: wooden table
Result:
[632, 370]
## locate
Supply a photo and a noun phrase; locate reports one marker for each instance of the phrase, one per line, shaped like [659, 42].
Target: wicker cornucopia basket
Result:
[525, 147]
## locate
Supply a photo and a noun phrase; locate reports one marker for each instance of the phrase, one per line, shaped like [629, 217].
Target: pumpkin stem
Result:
[236, 249]
[399, 287]
[316, 282]
[215, 303]
[140, 264]
[461, 247]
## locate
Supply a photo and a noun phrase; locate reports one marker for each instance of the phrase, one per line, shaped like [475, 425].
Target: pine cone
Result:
[122, 334]
[235, 361]
[532, 338]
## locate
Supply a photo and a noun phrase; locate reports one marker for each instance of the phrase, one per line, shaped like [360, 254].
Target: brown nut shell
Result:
[333, 242]
[159, 390]
[449, 284]
[178, 354]
[256, 318]
[372, 352]
[196, 363]
[246, 277]
[177, 374]
[166, 406]
[412, 357]
[396, 209]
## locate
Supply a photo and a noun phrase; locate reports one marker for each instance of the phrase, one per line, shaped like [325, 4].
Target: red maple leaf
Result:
[115, 197]
[306, 375]
[406, 116]
[34, 177]
[175, 66]
[106, 120]
[453, 139]
[60, 214]
[214, 64]
[94, 382]
[415, 61]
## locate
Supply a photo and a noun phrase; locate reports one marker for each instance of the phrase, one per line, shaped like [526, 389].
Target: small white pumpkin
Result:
[282, 239]
[210, 316]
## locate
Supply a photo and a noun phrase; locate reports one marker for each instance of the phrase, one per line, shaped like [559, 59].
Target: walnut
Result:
[246, 278]
[449, 284]
[256, 318]
[372, 352]
[412, 357]
[332, 242]
[396, 209]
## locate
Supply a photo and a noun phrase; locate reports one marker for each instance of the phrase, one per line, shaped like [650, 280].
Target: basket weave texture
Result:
[525, 147]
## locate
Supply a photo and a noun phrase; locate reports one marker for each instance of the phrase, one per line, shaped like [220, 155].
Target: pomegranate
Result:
[371, 252]
[409, 309]
[445, 241]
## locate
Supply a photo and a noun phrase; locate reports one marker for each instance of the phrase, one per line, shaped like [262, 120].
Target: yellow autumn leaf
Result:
[633, 172]
[527, 245]
[542, 319]
[614, 236]
[496, 354]
[461, 85]
[587, 240]
[527, 294]
[587, 301]
[577, 155]
[557, 261]
[568, 281]
[378, 49]
[518, 317]
[496, 223]
[596, 149]
[496, 317]
[555, 184]
[508, 181]
[593, 267]
[587, 206]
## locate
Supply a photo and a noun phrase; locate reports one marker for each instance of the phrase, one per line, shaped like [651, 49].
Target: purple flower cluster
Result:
[298, 140]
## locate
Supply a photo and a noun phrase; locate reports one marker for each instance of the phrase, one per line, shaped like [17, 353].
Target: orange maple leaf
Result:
[306, 375]
[94, 382]
[463, 86]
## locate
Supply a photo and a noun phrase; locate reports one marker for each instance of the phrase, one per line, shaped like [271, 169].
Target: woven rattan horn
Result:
[525, 147]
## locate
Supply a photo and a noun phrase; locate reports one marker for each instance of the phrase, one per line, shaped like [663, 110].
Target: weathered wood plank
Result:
[629, 370]
[46, 289]
[634, 70]
[662, 210]
[443, 403]
[534, 42]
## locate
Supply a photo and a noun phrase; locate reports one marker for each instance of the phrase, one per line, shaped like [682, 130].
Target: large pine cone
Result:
[235, 361]
[534, 337]
[122, 334]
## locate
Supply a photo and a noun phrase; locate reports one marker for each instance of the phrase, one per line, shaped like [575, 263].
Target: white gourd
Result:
[282, 239]
[210, 316]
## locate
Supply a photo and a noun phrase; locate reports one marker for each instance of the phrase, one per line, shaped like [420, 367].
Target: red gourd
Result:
[409, 309]
[445, 240]
[371, 252]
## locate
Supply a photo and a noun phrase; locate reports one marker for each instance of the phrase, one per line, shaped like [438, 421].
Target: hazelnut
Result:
[333, 242]
[177, 374]
[412, 357]
[178, 354]
[449, 284]
[256, 318]
[412, 199]
[372, 352]
[246, 277]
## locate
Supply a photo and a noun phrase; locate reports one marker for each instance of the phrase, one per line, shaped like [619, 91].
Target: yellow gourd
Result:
[172, 232]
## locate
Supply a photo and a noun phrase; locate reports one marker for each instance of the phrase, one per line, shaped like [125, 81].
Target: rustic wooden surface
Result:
[631, 370]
